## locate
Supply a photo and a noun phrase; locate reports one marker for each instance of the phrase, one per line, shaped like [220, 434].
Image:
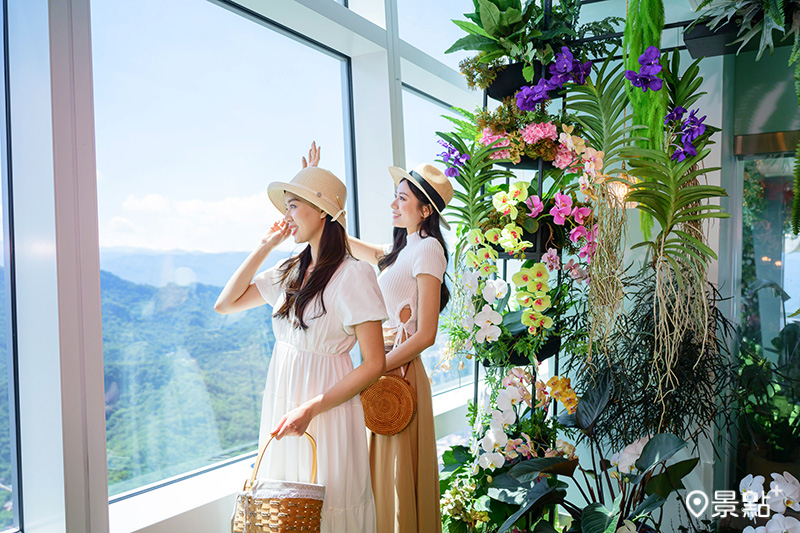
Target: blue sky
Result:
[197, 109]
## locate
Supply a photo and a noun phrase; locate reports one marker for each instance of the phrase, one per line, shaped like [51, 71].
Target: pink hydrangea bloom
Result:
[564, 157]
[489, 137]
[533, 133]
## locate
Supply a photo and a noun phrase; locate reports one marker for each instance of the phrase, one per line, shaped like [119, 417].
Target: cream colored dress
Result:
[405, 473]
[306, 363]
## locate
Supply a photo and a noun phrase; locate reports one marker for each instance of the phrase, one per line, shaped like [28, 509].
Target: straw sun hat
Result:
[318, 187]
[432, 182]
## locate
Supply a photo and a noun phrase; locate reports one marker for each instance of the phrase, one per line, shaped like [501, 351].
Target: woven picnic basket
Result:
[271, 506]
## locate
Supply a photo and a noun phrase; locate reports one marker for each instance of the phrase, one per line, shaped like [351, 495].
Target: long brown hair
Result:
[333, 249]
[428, 228]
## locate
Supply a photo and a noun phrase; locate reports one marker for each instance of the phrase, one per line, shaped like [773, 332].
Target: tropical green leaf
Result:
[658, 449]
[664, 484]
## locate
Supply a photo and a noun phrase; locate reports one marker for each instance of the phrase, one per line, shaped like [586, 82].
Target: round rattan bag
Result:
[389, 405]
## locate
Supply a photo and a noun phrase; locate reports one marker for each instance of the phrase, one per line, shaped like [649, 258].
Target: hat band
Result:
[432, 194]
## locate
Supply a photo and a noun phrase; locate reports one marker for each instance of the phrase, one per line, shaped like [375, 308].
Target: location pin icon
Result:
[696, 502]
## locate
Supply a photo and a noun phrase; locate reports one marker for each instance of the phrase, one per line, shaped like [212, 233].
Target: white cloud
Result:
[155, 221]
[151, 202]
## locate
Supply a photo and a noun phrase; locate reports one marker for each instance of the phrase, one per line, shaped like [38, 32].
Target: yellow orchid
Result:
[529, 318]
[472, 260]
[567, 129]
[538, 285]
[518, 191]
[545, 322]
[541, 303]
[522, 278]
[487, 254]
[579, 145]
[525, 299]
[492, 236]
[475, 237]
[512, 232]
[539, 272]
[500, 200]
[486, 269]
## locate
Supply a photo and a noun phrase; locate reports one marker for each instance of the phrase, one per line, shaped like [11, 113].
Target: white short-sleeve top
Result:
[398, 282]
[351, 297]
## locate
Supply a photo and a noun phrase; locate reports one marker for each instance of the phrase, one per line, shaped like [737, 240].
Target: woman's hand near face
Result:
[278, 233]
[313, 156]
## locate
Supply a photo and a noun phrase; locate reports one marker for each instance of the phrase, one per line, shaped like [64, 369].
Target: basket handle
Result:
[249, 483]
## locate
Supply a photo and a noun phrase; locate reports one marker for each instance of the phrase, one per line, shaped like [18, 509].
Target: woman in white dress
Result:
[323, 301]
[405, 474]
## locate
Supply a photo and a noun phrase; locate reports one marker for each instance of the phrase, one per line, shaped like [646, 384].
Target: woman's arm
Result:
[429, 289]
[239, 294]
[364, 251]
[370, 340]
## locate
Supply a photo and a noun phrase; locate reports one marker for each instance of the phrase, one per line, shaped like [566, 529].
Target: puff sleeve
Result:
[358, 298]
[429, 258]
[268, 283]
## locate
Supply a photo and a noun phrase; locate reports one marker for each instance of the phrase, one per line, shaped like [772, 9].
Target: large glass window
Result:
[769, 342]
[429, 27]
[422, 118]
[9, 495]
[197, 109]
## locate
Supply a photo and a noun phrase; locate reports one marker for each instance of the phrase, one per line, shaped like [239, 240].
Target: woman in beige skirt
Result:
[405, 474]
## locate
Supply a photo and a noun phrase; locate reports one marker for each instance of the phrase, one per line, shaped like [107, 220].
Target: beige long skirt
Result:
[405, 472]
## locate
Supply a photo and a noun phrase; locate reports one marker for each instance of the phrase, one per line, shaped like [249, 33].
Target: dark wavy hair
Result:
[333, 249]
[429, 228]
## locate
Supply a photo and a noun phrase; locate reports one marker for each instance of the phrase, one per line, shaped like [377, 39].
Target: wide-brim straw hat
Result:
[316, 186]
[433, 184]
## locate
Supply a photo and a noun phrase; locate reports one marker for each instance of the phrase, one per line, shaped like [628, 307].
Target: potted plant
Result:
[513, 41]
[505, 469]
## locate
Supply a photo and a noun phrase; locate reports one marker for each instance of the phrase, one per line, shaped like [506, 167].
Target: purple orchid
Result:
[563, 64]
[650, 56]
[528, 96]
[693, 127]
[675, 115]
[580, 71]
[452, 158]
[644, 81]
[682, 152]
[646, 77]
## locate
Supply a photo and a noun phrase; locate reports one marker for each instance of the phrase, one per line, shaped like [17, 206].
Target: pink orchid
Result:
[560, 215]
[551, 259]
[563, 200]
[577, 233]
[535, 205]
[580, 214]
[587, 251]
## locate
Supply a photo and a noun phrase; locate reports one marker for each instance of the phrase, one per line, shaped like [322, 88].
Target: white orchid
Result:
[494, 440]
[470, 279]
[487, 317]
[468, 322]
[626, 458]
[782, 524]
[509, 397]
[627, 526]
[494, 289]
[488, 333]
[752, 489]
[751, 529]
[501, 420]
[491, 460]
[784, 492]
